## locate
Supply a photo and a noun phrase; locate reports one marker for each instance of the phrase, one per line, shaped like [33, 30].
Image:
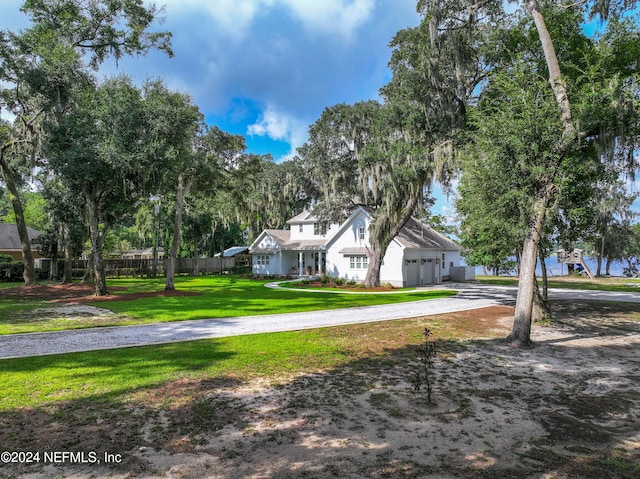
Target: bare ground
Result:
[567, 408]
[80, 293]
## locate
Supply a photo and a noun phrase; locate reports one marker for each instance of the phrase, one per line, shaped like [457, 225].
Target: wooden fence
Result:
[118, 268]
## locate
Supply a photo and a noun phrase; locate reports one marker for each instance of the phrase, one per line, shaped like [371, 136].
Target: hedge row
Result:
[13, 271]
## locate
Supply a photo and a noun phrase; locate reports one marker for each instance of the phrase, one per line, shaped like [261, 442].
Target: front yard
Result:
[338, 402]
[140, 301]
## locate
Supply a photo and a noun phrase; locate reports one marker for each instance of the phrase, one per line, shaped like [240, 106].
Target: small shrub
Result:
[42, 274]
[77, 273]
[351, 282]
[324, 279]
[426, 356]
[339, 281]
[5, 258]
[11, 271]
[242, 270]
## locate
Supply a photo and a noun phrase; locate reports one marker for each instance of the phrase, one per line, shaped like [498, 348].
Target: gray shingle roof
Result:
[416, 234]
[304, 217]
[283, 238]
[9, 239]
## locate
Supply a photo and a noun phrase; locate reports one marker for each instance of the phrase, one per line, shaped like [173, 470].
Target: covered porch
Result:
[304, 262]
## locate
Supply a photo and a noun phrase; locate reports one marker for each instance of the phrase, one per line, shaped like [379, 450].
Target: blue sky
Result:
[266, 69]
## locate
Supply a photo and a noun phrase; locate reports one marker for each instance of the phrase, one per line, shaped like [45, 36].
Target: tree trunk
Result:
[372, 279]
[96, 245]
[29, 274]
[196, 257]
[156, 239]
[558, 86]
[599, 257]
[541, 309]
[521, 332]
[545, 278]
[88, 276]
[181, 192]
[67, 271]
[53, 265]
[380, 236]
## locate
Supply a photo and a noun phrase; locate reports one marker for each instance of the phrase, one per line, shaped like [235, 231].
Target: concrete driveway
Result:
[470, 296]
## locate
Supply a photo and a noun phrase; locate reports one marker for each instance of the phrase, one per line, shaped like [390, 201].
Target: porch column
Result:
[300, 264]
[320, 262]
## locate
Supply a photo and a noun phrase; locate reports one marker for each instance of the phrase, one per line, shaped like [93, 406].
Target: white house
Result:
[418, 255]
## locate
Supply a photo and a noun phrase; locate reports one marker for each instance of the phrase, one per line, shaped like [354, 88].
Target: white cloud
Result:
[232, 16]
[281, 127]
[332, 17]
[340, 17]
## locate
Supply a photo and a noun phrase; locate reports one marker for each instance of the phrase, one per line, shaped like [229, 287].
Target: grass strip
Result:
[621, 285]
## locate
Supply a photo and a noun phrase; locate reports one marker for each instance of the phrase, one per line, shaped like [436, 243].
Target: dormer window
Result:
[319, 229]
[361, 233]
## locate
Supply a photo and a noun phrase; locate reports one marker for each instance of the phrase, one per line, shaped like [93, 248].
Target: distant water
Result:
[557, 269]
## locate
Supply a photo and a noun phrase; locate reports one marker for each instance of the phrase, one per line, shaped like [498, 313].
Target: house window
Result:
[358, 262]
[319, 229]
[262, 260]
[361, 233]
[300, 228]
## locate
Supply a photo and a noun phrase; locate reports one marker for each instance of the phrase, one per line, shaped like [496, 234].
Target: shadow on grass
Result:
[499, 412]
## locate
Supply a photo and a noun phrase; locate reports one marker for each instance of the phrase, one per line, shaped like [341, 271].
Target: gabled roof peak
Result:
[304, 217]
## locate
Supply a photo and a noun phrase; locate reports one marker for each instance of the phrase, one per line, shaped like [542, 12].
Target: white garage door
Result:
[413, 272]
[428, 271]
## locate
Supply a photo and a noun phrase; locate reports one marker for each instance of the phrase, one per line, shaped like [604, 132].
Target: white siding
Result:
[267, 243]
[308, 231]
[392, 270]
[266, 269]
[338, 264]
[275, 260]
[451, 258]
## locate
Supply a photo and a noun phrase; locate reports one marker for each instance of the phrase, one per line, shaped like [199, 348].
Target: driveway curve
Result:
[470, 296]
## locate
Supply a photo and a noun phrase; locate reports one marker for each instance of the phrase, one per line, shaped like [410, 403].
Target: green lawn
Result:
[118, 374]
[218, 297]
[628, 285]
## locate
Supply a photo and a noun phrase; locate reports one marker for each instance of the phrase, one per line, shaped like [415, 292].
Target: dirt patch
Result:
[49, 291]
[126, 296]
[69, 311]
[81, 293]
[567, 408]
